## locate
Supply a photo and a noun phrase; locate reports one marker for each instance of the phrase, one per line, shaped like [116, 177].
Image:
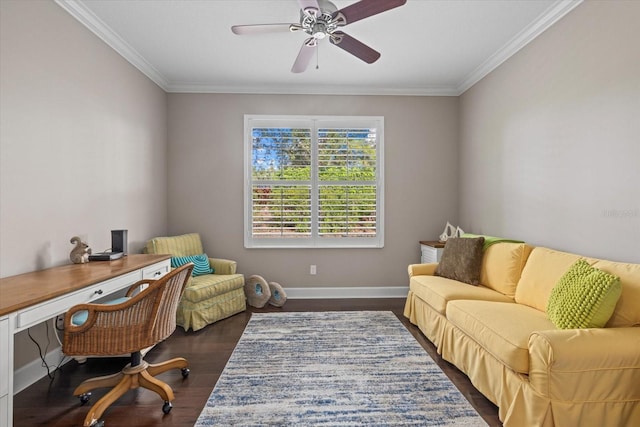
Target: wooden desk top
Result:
[24, 290]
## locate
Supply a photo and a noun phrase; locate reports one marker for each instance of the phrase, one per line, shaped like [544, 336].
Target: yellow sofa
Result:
[499, 335]
[207, 298]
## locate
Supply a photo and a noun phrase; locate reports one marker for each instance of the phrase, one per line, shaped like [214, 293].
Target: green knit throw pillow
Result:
[584, 297]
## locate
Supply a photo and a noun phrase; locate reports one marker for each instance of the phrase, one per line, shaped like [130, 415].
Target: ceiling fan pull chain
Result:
[318, 56]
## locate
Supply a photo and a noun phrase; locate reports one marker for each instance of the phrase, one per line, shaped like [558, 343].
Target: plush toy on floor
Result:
[278, 295]
[259, 292]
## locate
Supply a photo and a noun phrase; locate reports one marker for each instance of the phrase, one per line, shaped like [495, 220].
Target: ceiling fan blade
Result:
[304, 56]
[260, 28]
[364, 9]
[308, 4]
[354, 47]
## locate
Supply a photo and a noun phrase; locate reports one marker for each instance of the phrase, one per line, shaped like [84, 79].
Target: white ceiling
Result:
[428, 47]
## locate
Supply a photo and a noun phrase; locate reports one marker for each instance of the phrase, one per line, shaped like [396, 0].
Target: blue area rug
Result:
[333, 369]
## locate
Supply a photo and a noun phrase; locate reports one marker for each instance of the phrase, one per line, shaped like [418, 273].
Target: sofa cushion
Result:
[205, 287]
[184, 245]
[502, 329]
[540, 274]
[502, 266]
[584, 297]
[627, 312]
[438, 291]
[461, 260]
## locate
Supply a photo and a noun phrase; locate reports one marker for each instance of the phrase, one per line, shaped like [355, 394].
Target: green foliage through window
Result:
[314, 181]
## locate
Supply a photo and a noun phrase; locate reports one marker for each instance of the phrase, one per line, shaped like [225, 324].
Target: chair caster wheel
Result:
[185, 372]
[84, 398]
[166, 408]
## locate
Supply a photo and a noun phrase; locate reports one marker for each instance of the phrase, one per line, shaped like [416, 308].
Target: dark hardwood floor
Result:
[51, 402]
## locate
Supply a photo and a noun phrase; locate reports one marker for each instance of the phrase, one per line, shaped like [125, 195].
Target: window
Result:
[313, 181]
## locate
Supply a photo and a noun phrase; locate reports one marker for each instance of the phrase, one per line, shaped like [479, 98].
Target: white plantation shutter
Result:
[281, 182]
[347, 211]
[347, 182]
[313, 181]
[275, 214]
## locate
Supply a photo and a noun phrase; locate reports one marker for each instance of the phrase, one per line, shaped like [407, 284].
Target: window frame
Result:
[313, 123]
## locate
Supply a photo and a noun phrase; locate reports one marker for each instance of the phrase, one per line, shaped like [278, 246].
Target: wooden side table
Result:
[431, 251]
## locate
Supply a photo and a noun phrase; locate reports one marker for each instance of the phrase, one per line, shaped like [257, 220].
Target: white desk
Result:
[31, 298]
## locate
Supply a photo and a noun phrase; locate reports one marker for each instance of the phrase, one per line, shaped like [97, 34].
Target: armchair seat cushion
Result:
[211, 285]
[81, 316]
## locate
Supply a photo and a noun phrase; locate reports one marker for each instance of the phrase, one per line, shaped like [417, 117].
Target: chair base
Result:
[130, 377]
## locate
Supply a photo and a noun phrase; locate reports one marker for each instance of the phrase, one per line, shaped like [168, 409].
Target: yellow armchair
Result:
[209, 297]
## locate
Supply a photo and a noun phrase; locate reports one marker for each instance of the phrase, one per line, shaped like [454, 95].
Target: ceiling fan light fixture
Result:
[319, 31]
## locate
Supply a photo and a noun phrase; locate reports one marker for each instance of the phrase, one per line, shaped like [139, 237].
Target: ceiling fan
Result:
[320, 19]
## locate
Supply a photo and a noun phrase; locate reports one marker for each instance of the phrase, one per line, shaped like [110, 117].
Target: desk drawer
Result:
[44, 311]
[156, 271]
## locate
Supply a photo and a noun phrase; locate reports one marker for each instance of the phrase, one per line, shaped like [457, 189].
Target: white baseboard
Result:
[353, 292]
[28, 374]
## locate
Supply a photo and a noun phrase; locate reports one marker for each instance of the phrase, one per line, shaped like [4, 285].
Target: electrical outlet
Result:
[60, 322]
[312, 270]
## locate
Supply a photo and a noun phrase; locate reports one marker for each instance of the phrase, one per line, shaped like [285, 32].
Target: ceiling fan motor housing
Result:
[318, 23]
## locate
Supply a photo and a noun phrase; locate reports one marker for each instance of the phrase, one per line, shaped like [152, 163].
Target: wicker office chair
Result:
[128, 325]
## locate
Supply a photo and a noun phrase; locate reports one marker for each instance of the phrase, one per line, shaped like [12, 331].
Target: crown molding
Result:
[85, 16]
[312, 90]
[549, 17]
[105, 33]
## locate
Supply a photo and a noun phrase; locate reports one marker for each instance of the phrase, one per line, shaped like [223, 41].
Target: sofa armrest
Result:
[586, 364]
[422, 269]
[223, 266]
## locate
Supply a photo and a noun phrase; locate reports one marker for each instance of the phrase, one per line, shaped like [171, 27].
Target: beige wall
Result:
[82, 144]
[206, 182]
[550, 141]
[545, 149]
